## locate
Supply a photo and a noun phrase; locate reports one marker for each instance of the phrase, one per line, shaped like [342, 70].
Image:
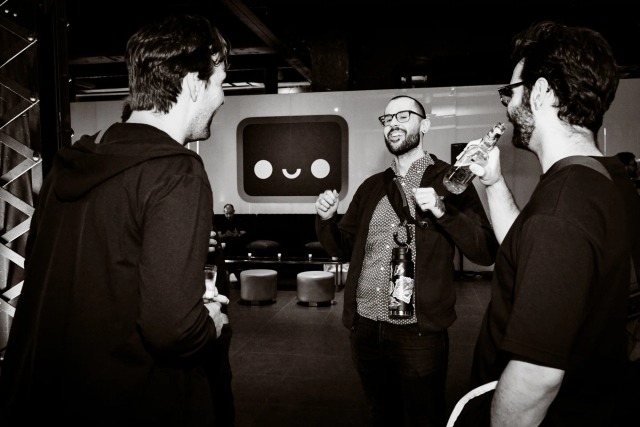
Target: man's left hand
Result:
[428, 200]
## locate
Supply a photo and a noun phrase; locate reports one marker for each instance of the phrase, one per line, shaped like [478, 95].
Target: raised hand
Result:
[490, 173]
[327, 204]
[428, 200]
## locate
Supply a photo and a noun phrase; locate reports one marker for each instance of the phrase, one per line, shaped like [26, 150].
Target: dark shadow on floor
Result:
[292, 364]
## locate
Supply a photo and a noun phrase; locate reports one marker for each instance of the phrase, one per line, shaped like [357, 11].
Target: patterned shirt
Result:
[372, 293]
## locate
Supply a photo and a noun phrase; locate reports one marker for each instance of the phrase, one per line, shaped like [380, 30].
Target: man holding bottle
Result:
[402, 360]
[553, 336]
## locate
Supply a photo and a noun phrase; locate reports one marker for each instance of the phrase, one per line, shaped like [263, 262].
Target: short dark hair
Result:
[162, 53]
[418, 104]
[228, 205]
[626, 157]
[578, 64]
[126, 111]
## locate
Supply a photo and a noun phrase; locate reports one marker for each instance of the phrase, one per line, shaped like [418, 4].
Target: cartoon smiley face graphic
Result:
[291, 159]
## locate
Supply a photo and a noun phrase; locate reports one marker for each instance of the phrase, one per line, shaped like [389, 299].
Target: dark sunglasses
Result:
[401, 117]
[506, 92]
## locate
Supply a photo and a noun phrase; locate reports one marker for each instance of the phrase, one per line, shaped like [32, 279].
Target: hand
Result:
[491, 172]
[428, 200]
[212, 241]
[216, 314]
[327, 204]
[229, 233]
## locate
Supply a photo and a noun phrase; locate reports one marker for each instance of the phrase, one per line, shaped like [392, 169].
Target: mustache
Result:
[394, 129]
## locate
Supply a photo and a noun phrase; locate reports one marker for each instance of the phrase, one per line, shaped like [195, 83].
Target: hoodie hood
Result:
[85, 165]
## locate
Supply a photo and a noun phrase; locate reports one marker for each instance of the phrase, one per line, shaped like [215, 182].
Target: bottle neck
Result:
[489, 140]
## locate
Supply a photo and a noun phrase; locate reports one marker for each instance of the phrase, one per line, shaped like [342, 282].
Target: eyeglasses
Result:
[401, 117]
[506, 92]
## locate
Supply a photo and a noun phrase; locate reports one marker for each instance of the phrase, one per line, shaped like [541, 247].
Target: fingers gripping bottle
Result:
[210, 273]
[459, 176]
[401, 286]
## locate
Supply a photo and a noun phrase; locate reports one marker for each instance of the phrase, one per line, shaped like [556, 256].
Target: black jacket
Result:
[464, 224]
[111, 323]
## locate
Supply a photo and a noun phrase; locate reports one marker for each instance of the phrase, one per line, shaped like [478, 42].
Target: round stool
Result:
[258, 287]
[316, 288]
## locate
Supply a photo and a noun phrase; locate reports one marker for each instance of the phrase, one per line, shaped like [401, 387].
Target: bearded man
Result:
[402, 363]
[553, 339]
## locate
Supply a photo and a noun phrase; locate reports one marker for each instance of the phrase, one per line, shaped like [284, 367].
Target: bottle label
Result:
[398, 270]
[402, 289]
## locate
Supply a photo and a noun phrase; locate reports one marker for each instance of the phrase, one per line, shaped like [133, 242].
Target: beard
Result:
[411, 141]
[200, 127]
[521, 118]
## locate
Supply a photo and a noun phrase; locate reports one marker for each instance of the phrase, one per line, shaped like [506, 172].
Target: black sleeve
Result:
[552, 291]
[466, 222]
[338, 238]
[173, 319]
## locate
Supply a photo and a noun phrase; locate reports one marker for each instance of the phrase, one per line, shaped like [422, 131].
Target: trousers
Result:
[402, 371]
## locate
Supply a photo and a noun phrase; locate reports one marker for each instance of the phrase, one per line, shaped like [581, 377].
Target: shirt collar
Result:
[417, 167]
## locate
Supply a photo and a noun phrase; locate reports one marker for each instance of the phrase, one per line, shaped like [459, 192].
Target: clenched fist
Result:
[327, 204]
[428, 200]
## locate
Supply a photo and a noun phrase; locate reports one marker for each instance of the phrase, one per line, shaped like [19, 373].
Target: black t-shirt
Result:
[560, 292]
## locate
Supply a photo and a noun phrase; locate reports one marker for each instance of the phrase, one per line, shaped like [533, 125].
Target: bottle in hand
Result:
[459, 176]
[401, 286]
[210, 273]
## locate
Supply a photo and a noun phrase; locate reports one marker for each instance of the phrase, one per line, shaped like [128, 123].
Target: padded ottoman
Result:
[258, 287]
[316, 288]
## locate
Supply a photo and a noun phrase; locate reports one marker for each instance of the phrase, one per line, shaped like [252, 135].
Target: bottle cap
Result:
[401, 252]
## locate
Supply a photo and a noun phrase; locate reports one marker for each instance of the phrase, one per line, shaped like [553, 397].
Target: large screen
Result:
[291, 158]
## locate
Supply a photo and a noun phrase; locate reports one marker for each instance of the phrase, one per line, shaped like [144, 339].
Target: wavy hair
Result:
[578, 64]
[162, 53]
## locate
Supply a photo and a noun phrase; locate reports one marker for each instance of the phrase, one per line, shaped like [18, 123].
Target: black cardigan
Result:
[464, 224]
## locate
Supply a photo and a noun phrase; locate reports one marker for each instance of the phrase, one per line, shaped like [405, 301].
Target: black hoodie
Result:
[110, 324]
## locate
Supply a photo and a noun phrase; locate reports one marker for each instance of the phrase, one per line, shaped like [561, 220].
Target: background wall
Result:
[461, 114]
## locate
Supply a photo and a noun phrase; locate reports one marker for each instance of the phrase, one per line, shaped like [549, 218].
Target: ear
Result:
[541, 94]
[193, 84]
[425, 125]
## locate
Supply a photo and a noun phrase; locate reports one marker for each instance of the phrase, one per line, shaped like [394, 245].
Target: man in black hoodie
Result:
[111, 325]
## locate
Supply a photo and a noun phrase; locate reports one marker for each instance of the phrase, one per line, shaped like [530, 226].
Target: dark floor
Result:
[292, 365]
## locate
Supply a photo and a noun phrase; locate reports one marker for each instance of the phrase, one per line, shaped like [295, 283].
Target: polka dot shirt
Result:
[373, 285]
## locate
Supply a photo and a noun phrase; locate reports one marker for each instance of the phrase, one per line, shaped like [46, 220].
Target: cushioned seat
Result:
[263, 247]
[316, 288]
[316, 249]
[258, 287]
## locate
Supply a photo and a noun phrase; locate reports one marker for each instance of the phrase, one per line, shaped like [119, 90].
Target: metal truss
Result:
[32, 160]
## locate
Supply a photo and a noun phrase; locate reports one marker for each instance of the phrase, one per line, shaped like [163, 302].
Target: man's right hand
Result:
[327, 204]
[490, 173]
[216, 314]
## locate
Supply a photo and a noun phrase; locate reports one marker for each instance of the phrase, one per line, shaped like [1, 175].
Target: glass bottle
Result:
[401, 284]
[210, 273]
[459, 176]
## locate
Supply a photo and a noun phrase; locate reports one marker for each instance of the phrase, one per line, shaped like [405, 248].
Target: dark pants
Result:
[218, 370]
[402, 372]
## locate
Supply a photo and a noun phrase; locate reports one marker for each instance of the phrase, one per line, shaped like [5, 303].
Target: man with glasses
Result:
[553, 335]
[403, 362]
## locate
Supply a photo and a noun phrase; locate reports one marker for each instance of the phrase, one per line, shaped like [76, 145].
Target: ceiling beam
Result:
[238, 8]
[85, 60]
